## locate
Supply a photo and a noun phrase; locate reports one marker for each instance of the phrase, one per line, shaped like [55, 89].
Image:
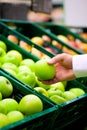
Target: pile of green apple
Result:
[58, 92]
[32, 73]
[12, 61]
[10, 109]
[25, 69]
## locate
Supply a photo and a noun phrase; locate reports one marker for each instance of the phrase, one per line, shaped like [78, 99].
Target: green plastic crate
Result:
[6, 30]
[30, 29]
[69, 111]
[25, 54]
[60, 29]
[11, 45]
[83, 80]
[42, 120]
[72, 110]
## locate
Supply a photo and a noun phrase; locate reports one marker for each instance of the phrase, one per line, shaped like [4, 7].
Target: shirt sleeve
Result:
[80, 65]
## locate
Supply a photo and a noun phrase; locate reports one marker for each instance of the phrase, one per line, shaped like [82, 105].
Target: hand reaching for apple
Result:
[64, 71]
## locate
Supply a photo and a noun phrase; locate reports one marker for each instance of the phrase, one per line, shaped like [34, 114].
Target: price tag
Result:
[44, 6]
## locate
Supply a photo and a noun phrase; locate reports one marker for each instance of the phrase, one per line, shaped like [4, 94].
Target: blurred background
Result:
[70, 13]
[26, 10]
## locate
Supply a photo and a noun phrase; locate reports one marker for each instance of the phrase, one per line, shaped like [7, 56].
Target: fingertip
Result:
[49, 61]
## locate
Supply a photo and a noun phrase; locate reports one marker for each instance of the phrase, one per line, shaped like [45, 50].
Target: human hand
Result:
[64, 69]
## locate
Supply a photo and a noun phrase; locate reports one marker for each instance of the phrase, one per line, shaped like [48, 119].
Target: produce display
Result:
[12, 110]
[65, 34]
[13, 62]
[70, 98]
[69, 39]
[37, 40]
[50, 45]
[41, 40]
[30, 72]
[59, 93]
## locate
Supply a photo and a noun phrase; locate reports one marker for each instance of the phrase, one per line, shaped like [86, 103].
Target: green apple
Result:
[3, 45]
[6, 87]
[40, 84]
[28, 62]
[58, 99]
[54, 92]
[68, 95]
[15, 116]
[10, 66]
[63, 38]
[0, 96]
[9, 104]
[2, 54]
[77, 91]
[0, 64]
[23, 68]
[42, 91]
[13, 56]
[3, 120]
[27, 77]
[64, 83]
[58, 86]
[2, 108]
[30, 104]
[10, 71]
[43, 70]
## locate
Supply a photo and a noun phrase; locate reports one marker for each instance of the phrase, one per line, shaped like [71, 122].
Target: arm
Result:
[68, 67]
[80, 65]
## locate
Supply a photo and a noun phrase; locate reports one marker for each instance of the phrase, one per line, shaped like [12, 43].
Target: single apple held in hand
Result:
[30, 104]
[43, 70]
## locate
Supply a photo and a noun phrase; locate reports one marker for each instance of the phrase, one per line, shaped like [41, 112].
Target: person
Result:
[68, 67]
